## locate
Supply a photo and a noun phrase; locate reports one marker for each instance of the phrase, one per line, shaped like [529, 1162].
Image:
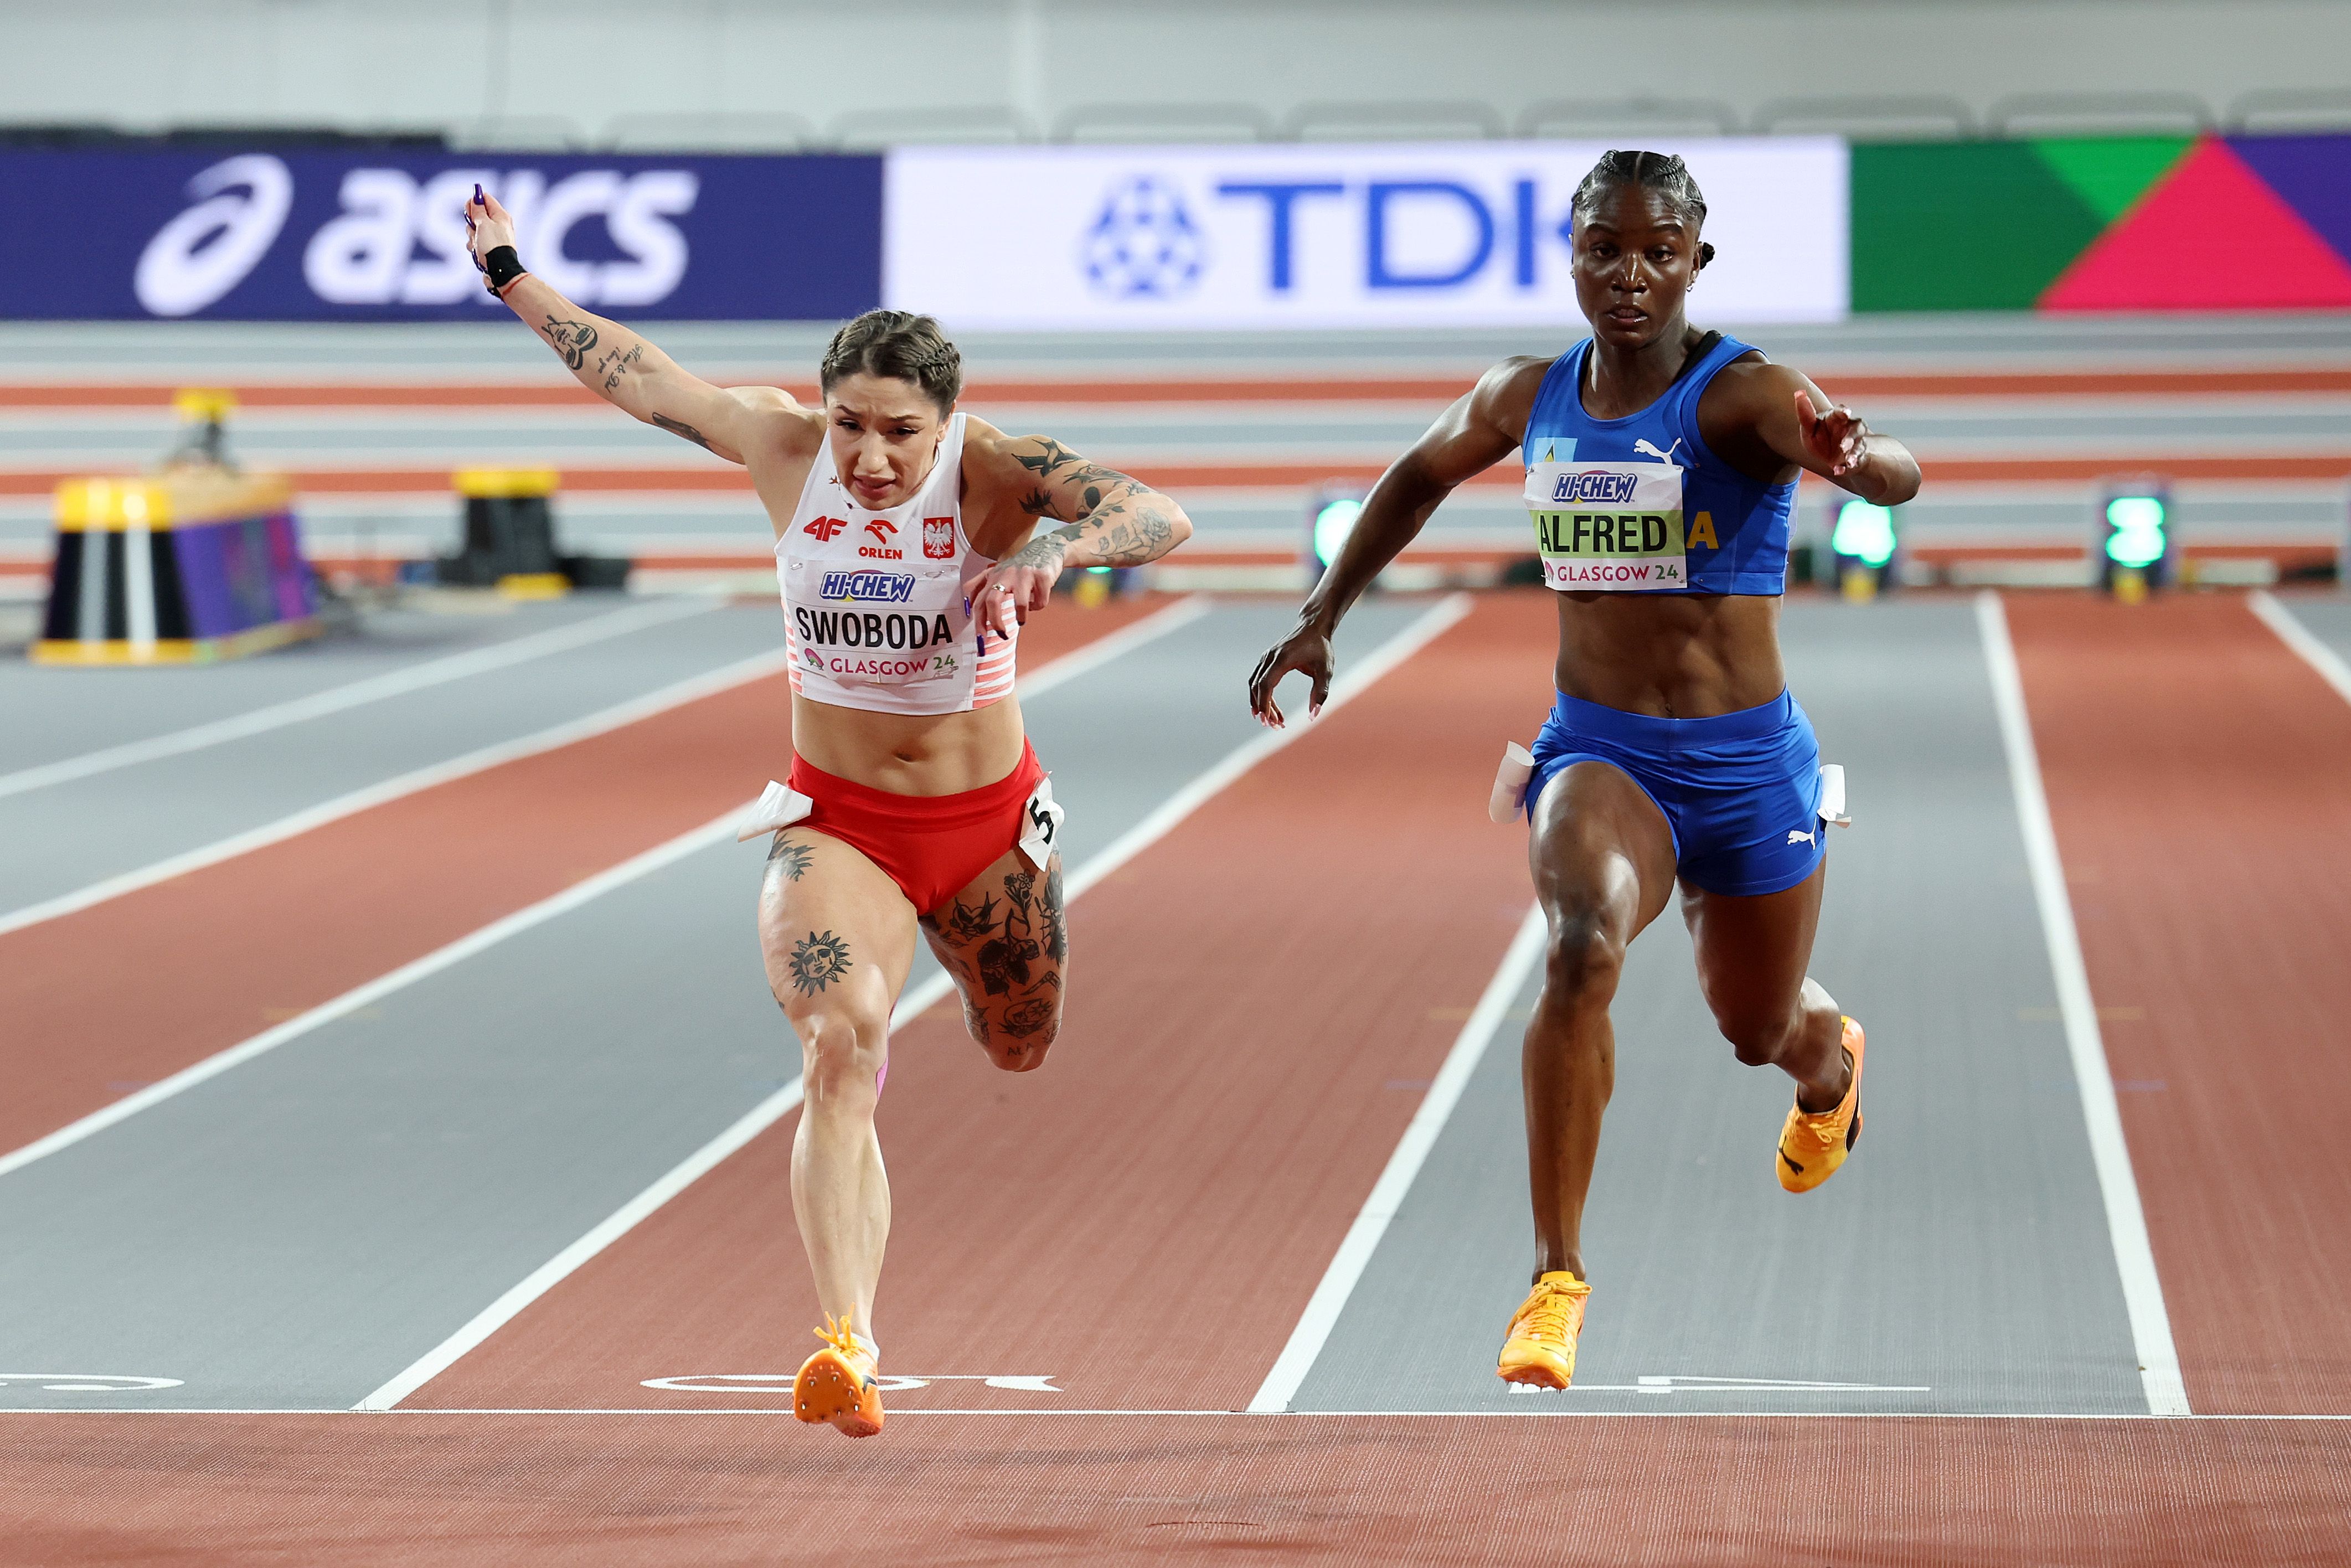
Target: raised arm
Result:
[1772, 417]
[619, 366]
[1112, 520]
[1477, 432]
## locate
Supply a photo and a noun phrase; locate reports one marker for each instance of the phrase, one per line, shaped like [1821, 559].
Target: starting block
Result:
[186, 566]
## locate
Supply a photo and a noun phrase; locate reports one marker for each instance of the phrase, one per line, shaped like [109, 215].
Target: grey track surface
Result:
[293, 1233]
[60, 711]
[1962, 1250]
[2327, 617]
[55, 841]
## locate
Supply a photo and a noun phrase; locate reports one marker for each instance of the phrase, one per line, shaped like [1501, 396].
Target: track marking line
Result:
[1387, 1195]
[2151, 1324]
[2297, 636]
[351, 1001]
[355, 693]
[619, 717]
[784, 1412]
[718, 830]
[916, 1000]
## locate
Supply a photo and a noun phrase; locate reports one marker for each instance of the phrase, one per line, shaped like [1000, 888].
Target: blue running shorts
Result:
[1741, 792]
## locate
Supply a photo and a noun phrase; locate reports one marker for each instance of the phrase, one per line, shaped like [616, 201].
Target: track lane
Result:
[2195, 767]
[1263, 994]
[105, 1001]
[438, 1490]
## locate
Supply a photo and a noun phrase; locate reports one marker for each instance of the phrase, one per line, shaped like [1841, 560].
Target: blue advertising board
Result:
[379, 235]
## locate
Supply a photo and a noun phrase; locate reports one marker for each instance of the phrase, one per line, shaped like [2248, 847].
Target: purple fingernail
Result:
[479, 197]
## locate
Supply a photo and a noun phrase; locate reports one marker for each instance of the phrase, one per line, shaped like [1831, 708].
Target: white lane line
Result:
[677, 695]
[1387, 1195]
[408, 974]
[356, 693]
[1103, 650]
[2151, 1324]
[2297, 636]
[785, 1412]
[912, 1003]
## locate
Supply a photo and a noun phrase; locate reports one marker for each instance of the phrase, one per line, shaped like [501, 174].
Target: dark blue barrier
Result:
[377, 235]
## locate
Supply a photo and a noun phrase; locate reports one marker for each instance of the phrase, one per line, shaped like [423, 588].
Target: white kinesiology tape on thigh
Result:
[1833, 795]
[1510, 782]
[777, 807]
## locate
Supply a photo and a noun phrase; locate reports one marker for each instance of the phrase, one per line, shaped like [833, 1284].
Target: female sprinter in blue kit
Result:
[1661, 474]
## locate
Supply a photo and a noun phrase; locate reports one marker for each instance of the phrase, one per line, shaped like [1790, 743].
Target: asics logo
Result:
[1649, 447]
[826, 528]
[1796, 838]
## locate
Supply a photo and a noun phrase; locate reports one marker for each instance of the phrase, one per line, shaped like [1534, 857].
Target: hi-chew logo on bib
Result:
[1608, 528]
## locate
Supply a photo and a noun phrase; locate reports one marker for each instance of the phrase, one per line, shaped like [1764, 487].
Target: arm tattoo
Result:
[817, 960]
[791, 859]
[616, 364]
[573, 340]
[1126, 522]
[676, 428]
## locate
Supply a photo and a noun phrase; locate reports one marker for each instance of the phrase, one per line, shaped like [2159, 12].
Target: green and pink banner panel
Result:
[2127, 223]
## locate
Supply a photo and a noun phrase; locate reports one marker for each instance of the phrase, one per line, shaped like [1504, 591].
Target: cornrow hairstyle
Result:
[1663, 173]
[898, 344]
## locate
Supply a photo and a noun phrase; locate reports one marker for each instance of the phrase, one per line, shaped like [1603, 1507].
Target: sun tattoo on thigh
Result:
[817, 960]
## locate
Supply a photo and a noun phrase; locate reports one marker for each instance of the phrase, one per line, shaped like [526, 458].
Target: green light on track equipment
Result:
[1864, 533]
[2137, 531]
[1334, 519]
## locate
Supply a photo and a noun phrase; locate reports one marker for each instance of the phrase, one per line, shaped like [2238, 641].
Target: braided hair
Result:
[1663, 173]
[898, 344]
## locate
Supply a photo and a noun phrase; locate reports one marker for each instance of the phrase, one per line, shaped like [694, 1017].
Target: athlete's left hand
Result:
[1016, 586]
[1837, 437]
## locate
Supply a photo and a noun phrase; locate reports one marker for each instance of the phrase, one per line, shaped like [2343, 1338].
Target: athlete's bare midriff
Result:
[909, 754]
[1670, 655]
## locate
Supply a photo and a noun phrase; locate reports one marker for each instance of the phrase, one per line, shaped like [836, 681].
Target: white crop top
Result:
[874, 616]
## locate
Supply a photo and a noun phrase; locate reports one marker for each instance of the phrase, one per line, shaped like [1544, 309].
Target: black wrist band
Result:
[501, 266]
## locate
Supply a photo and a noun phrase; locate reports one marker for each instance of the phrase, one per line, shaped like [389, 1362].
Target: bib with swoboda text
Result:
[1608, 528]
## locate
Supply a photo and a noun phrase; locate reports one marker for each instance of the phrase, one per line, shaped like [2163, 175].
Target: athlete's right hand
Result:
[1306, 651]
[489, 225]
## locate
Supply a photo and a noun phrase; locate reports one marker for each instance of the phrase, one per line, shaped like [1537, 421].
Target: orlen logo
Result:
[200, 256]
[826, 528]
[1607, 489]
[868, 587]
[367, 256]
[882, 528]
[938, 538]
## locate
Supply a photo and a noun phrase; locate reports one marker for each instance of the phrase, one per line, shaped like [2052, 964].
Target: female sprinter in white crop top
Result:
[902, 546]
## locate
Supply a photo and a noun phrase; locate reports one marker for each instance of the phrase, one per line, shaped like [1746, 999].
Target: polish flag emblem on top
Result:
[938, 538]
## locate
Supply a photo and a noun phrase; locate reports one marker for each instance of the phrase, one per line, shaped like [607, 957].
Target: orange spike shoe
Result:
[837, 1385]
[1539, 1348]
[1814, 1144]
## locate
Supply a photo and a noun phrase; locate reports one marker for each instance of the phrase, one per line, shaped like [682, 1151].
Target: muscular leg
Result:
[838, 937]
[1752, 954]
[1006, 940]
[1602, 859]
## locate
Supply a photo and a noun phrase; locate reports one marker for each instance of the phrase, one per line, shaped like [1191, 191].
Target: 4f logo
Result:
[938, 538]
[826, 528]
[881, 531]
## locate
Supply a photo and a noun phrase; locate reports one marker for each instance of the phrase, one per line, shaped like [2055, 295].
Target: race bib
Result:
[1041, 829]
[1608, 528]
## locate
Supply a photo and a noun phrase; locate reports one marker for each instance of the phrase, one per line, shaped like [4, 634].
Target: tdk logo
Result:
[1143, 243]
[868, 587]
[1604, 489]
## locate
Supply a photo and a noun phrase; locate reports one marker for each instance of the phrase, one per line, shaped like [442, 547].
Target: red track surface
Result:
[2199, 777]
[131, 990]
[1145, 1220]
[1425, 389]
[1527, 1492]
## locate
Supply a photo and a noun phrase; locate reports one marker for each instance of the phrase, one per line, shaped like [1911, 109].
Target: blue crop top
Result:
[1640, 505]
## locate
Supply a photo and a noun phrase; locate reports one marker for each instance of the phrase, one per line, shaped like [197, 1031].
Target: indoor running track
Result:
[401, 1124]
